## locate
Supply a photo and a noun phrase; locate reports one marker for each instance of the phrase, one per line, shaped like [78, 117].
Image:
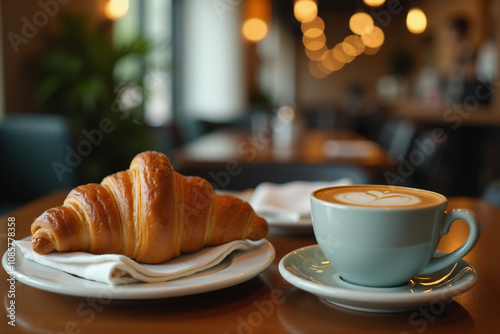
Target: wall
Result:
[367, 70]
[2, 95]
[213, 62]
[277, 64]
[440, 14]
[309, 91]
[25, 27]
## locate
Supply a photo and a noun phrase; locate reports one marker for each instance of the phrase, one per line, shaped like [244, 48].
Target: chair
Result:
[426, 163]
[245, 176]
[31, 146]
[397, 136]
[492, 193]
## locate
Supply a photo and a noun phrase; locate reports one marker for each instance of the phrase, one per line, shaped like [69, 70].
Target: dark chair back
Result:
[33, 155]
[397, 136]
[492, 193]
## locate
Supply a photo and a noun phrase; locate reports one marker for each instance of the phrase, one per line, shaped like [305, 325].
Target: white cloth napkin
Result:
[120, 269]
[349, 148]
[288, 201]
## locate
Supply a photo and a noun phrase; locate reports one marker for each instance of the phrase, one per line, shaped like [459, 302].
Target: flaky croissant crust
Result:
[149, 213]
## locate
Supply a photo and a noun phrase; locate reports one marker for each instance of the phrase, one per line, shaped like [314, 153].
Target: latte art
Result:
[378, 198]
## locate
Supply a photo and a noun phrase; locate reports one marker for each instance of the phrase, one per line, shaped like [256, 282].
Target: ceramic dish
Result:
[236, 268]
[280, 224]
[308, 269]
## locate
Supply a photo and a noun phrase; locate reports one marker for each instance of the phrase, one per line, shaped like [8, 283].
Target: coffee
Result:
[382, 236]
[379, 196]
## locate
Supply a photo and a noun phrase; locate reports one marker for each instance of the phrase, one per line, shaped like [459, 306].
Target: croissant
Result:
[149, 213]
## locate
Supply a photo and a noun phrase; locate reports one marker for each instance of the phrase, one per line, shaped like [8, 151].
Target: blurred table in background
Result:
[340, 146]
[472, 113]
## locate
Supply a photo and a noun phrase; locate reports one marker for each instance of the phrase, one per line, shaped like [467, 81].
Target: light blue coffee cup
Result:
[385, 246]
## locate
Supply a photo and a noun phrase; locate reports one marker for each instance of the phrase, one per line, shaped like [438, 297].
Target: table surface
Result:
[312, 146]
[239, 309]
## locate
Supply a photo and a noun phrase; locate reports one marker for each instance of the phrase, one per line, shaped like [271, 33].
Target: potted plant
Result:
[80, 78]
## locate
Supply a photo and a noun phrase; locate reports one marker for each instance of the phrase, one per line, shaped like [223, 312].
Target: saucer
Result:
[283, 225]
[309, 270]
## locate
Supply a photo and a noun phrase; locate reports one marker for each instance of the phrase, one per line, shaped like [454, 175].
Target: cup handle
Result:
[471, 218]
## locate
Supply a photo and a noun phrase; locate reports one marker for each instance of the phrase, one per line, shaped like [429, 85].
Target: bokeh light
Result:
[341, 55]
[254, 29]
[305, 10]
[374, 3]
[356, 42]
[317, 70]
[313, 28]
[374, 39]
[416, 21]
[371, 51]
[367, 38]
[116, 9]
[330, 62]
[349, 49]
[316, 54]
[361, 23]
[315, 43]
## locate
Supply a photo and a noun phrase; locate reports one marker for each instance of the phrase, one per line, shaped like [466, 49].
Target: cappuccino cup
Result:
[382, 236]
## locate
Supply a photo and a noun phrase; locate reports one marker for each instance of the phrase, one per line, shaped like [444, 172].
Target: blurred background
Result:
[86, 85]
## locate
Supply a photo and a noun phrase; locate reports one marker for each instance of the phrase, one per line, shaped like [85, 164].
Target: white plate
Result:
[308, 269]
[286, 225]
[236, 268]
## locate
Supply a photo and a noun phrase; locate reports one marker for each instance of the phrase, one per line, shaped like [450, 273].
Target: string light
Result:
[317, 70]
[315, 43]
[341, 55]
[374, 39]
[371, 51]
[356, 43]
[361, 23]
[316, 54]
[367, 38]
[330, 62]
[349, 49]
[313, 28]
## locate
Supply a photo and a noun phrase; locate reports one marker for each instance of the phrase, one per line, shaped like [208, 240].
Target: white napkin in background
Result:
[290, 200]
[349, 148]
[120, 269]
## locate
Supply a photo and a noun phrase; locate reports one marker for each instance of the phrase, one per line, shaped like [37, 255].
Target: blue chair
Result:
[492, 193]
[397, 136]
[33, 155]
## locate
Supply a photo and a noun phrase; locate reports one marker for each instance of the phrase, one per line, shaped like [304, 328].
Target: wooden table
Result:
[264, 304]
[451, 116]
[312, 146]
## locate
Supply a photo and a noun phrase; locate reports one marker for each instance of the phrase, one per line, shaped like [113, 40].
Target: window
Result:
[152, 20]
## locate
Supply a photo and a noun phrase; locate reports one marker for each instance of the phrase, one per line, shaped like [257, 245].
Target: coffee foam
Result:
[378, 196]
